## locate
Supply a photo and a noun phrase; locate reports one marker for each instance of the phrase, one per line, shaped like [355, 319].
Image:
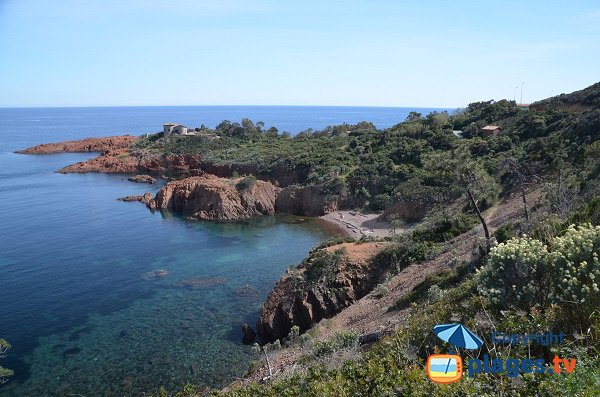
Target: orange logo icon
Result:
[444, 368]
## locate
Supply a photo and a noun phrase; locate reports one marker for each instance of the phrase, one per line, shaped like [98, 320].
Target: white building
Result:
[174, 129]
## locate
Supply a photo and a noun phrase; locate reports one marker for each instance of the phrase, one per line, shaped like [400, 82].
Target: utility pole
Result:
[522, 84]
[515, 94]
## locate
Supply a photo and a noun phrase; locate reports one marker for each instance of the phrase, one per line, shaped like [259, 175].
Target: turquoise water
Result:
[76, 300]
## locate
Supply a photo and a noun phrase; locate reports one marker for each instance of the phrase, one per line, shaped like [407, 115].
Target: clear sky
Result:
[262, 52]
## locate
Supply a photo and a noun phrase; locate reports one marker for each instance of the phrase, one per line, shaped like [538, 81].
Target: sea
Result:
[80, 299]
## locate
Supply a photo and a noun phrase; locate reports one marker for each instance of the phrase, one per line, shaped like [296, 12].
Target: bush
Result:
[246, 183]
[576, 267]
[401, 255]
[515, 273]
[342, 340]
[524, 272]
[322, 263]
[444, 226]
[380, 202]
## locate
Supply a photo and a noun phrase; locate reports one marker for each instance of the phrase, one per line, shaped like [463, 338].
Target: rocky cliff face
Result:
[104, 144]
[304, 200]
[303, 300]
[111, 161]
[407, 211]
[212, 198]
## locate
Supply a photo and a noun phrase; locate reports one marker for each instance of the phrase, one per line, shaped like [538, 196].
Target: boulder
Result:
[209, 197]
[249, 334]
[142, 179]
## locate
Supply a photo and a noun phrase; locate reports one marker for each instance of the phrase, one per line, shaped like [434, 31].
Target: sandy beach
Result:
[356, 224]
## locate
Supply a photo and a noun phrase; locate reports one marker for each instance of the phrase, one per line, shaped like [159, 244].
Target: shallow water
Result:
[77, 303]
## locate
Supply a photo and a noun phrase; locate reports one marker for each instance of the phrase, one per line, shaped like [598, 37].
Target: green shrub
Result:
[405, 252]
[322, 263]
[380, 202]
[246, 183]
[506, 232]
[5, 373]
[444, 226]
[342, 340]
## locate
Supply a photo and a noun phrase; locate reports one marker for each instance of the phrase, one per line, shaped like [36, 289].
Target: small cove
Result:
[80, 305]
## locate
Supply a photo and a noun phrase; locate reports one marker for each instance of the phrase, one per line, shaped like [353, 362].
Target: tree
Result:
[479, 187]
[414, 116]
[521, 175]
[5, 373]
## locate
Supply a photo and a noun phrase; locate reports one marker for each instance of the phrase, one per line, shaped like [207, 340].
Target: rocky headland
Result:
[330, 280]
[103, 144]
[209, 197]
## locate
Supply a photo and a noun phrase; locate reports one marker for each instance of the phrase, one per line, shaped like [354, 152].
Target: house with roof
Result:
[491, 130]
[174, 129]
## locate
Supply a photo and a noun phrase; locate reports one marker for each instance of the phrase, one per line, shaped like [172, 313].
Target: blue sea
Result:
[78, 301]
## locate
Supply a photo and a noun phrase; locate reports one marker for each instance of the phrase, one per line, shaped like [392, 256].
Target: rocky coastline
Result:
[209, 192]
[103, 144]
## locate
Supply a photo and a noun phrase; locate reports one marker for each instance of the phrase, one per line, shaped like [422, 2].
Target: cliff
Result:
[212, 198]
[330, 280]
[305, 200]
[111, 161]
[104, 144]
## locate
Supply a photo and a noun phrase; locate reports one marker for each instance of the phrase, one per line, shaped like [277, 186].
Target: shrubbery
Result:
[246, 183]
[524, 272]
[341, 340]
[444, 226]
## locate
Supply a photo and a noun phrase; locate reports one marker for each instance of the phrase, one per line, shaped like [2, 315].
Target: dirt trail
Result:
[370, 314]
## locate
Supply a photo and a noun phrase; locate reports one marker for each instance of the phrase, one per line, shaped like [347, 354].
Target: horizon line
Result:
[265, 106]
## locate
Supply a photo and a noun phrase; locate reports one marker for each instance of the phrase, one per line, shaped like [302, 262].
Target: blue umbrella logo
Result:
[458, 335]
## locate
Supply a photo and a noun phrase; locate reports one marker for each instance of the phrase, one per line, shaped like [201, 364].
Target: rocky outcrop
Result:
[112, 161]
[142, 179]
[407, 211]
[249, 334]
[298, 299]
[212, 198]
[109, 143]
[145, 198]
[304, 200]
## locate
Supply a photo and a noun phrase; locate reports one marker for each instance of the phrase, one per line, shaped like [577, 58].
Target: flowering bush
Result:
[524, 272]
[515, 272]
[577, 267]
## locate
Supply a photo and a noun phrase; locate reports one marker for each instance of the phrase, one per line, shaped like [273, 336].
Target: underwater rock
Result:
[201, 282]
[249, 334]
[246, 291]
[145, 198]
[70, 352]
[142, 179]
[156, 274]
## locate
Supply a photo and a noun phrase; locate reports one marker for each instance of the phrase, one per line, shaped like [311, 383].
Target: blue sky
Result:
[350, 52]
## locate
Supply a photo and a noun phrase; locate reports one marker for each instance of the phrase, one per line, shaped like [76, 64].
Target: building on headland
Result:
[174, 129]
[491, 130]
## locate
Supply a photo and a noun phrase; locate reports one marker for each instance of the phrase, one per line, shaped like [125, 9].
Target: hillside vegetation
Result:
[538, 273]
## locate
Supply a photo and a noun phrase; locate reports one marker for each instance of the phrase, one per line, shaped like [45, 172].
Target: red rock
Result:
[212, 198]
[102, 144]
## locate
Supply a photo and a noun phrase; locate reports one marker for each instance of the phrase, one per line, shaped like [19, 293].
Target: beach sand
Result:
[356, 224]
